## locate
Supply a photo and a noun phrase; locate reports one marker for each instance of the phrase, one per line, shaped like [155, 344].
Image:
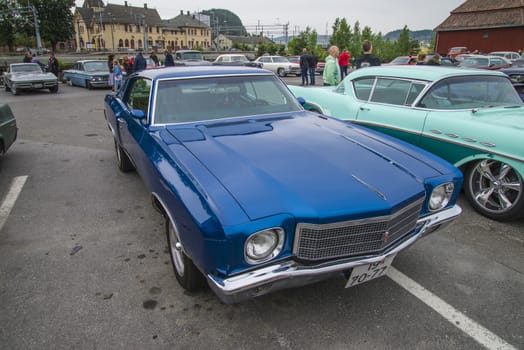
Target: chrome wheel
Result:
[186, 273]
[495, 189]
[175, 248]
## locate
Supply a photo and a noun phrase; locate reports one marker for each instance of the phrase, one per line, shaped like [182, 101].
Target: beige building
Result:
[121, 28]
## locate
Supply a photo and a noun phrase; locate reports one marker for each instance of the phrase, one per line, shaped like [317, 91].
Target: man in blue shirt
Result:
[140, 62]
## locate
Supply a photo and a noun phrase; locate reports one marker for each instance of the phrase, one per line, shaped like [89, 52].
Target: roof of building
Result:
[478, 14]
[184, 20]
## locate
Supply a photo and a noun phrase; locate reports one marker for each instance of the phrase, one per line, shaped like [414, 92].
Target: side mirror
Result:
[301, 101]
[138, 114]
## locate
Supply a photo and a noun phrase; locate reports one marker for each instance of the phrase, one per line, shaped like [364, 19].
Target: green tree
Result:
[55, 19]
[306, 39]
[341, 34]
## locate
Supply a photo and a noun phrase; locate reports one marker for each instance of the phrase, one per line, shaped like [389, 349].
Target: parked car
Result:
[403, 60]
[28, 76]
[517, 79]
[458, 50]
[509, 55]
[518, 63]
[235, 60]
[259, 194]
[8, 128]
[294, 59]
[190, 58]
[469, 117]
[88, 73]
[320, 67]
[485, 62]
[279, 65]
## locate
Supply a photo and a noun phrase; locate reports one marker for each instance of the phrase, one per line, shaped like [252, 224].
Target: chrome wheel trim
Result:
[495, 186]
[176, 250]
[118, 154]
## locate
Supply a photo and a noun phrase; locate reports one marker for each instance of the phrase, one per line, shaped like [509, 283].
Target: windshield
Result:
[468, 92]
[280, 59]
[190, 100]
[192, 55]
[26, 68]
[96, 66]
[475, 61]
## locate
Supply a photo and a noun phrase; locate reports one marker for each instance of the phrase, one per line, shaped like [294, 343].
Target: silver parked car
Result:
[28, 76]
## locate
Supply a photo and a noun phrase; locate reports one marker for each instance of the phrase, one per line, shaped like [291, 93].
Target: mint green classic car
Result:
[473, 118]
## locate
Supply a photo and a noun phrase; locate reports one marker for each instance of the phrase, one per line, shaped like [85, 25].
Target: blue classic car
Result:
[473, 118]
[88, 73]
[259, 194]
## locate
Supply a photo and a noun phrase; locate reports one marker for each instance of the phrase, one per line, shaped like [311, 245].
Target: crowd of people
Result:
[336, 66]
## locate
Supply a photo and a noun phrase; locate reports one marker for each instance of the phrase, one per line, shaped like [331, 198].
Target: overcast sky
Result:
[379, 15]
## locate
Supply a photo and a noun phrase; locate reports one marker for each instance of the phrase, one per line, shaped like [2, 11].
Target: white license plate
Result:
[38, 86]
[365, 273]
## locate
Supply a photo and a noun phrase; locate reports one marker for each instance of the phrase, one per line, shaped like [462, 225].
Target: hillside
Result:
[425, 35]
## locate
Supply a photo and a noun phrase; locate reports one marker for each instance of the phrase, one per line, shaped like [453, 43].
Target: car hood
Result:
[310, 166]
[25, 76]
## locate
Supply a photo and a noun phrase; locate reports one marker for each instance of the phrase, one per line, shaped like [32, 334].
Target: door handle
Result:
[121, 122]
[364, 109]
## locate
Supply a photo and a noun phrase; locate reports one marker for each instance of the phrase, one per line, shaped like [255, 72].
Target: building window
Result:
[120, 43]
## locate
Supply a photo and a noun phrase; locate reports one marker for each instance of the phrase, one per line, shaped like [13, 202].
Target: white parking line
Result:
[9, 201]
[480, 334]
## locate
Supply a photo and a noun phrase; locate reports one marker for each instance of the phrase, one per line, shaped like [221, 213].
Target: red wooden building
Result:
[483, 25]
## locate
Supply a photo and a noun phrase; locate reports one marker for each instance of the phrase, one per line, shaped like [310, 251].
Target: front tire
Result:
[495, 190]
[124, 163]
[14, 91]
[54, 89]
[88, 85]
[281, 72]
[186, 273]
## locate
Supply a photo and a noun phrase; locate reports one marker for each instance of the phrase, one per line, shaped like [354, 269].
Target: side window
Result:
[363, 88]
[414, 91]
[138, 94]
[391, 91]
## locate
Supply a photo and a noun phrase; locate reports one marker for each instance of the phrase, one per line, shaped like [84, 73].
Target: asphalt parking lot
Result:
[84, 263]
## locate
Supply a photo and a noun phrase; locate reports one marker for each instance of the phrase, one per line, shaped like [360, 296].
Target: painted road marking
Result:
[480, 334]
[10, 199]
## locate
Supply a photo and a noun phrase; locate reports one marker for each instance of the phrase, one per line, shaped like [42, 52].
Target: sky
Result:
[380, 15]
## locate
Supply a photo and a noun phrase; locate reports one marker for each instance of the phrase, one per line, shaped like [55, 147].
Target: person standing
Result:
[27, 57]
[52, 64]
[154, 57]
[367, 59]
[110, 62]
[304, 67]
[140, 62]
[343, 62]
[331, 73]
[434, 60]
[169, 62]
[127, 66]
[312, 63]
[117, 75]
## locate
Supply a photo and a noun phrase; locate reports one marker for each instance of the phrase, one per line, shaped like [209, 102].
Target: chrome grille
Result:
[350, 238]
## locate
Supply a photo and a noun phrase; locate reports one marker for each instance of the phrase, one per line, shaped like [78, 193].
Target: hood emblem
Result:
[385, 237]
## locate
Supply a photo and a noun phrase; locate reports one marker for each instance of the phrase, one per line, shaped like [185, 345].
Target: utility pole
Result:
[38, 40]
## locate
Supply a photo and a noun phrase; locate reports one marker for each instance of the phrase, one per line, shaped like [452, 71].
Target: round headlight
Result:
[264, 245]
[440, 196]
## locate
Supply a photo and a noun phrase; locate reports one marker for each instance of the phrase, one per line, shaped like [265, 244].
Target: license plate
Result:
[38, 86]
[365, 273]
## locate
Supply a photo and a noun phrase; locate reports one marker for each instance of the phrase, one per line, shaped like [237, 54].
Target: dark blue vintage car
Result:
[259, 194]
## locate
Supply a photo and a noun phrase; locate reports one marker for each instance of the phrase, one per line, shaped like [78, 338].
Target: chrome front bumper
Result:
[289, 273]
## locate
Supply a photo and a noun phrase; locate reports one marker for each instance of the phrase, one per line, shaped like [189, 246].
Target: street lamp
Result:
[112, 18]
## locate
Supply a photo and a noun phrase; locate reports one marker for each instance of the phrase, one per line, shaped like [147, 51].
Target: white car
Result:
[28, 76]
[510, 55]
[236, 59]
[279, 65]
